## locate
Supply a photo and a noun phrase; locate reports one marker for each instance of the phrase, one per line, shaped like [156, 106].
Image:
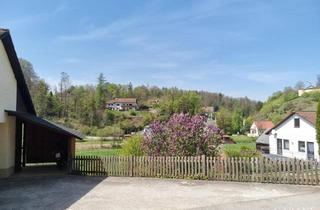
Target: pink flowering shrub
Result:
[182, 135]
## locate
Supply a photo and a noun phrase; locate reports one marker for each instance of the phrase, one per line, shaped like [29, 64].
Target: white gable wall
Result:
[254, 132]
[8, 100]
[8, 85]
[286, 130]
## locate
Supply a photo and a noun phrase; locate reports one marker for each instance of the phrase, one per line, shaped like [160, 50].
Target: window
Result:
[286, 144]
[302, 146]
[296, 122]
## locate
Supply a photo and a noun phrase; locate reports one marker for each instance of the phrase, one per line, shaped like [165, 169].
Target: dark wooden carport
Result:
[38, 140]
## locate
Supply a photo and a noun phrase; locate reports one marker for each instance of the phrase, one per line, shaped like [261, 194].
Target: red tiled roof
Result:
[123, 100]
[309, 116]
[264, 124]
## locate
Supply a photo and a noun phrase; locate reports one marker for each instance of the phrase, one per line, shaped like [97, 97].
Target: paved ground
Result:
[77, 192]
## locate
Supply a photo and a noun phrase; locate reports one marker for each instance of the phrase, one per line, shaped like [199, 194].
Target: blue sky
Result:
[238, 47]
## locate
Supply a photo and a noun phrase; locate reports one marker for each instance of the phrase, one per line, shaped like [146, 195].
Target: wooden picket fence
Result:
[282, 171]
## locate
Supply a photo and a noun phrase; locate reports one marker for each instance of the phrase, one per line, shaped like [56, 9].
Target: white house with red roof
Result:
[122, 104]
[259, 127]
[295, 137]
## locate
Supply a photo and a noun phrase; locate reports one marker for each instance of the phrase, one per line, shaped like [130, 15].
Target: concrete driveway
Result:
[75, 192]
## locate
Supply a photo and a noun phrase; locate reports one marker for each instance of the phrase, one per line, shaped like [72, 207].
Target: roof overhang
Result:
[286, 118]
[29, 118]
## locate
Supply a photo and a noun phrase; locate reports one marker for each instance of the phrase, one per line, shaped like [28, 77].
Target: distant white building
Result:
[295, 137]
[259, 127]
[122, 104]
[308, 90]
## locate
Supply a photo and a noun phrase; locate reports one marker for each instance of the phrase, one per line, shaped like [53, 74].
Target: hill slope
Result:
[283, 102]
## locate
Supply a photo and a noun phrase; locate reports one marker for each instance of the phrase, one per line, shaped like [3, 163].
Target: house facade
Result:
[122, 104]
[295, 137]
[259, 127]
[24, 137]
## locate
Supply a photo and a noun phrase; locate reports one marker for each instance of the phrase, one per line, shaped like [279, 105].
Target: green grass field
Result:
[245, 146]
[96, 148]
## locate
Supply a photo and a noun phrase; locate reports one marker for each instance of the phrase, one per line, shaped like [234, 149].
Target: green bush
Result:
[110, 131]
[111, 117]
[129, 126]
[147, 119]
[133, 113]
[132, 146]
[93, 131]
[315, 96]
[85, 130]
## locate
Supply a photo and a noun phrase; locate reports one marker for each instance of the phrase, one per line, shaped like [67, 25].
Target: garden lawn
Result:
[242, 141]
[99, 152]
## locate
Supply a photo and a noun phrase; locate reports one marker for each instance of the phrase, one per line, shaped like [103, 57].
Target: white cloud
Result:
[101, 32]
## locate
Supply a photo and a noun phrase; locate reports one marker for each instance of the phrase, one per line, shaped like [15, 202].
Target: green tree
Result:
[53, 106]
[109, 117]
[130, 90]
[247, 124]
[188, 103]
[30, 76]
[236, 121]
[223, 118]
[41, 98]
[101, 92]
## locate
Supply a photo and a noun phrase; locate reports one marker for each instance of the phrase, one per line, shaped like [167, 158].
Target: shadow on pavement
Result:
[48, 192]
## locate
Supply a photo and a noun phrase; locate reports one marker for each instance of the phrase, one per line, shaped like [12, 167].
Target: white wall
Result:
[255, 129]
[7, 148]
[8, 85]
[8, 100]
[286, 130]
[301, 92]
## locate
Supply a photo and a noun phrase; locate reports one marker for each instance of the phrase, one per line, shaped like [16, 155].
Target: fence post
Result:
[131, 166]
[317, 173]
[262, 169]
[69, 165]
[203, 157]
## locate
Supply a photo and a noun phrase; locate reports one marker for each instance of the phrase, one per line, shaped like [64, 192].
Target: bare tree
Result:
[299, 85]
[318, 81]
[64, 86]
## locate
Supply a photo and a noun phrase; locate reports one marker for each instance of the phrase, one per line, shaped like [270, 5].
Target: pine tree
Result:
[101, 92]
[41, 97]
[53, 107]
[130, 90]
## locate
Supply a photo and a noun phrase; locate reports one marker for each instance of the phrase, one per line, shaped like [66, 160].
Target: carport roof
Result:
[45, 123]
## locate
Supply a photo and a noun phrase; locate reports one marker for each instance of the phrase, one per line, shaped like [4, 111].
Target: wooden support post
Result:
[203, 161]
[131, 166]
